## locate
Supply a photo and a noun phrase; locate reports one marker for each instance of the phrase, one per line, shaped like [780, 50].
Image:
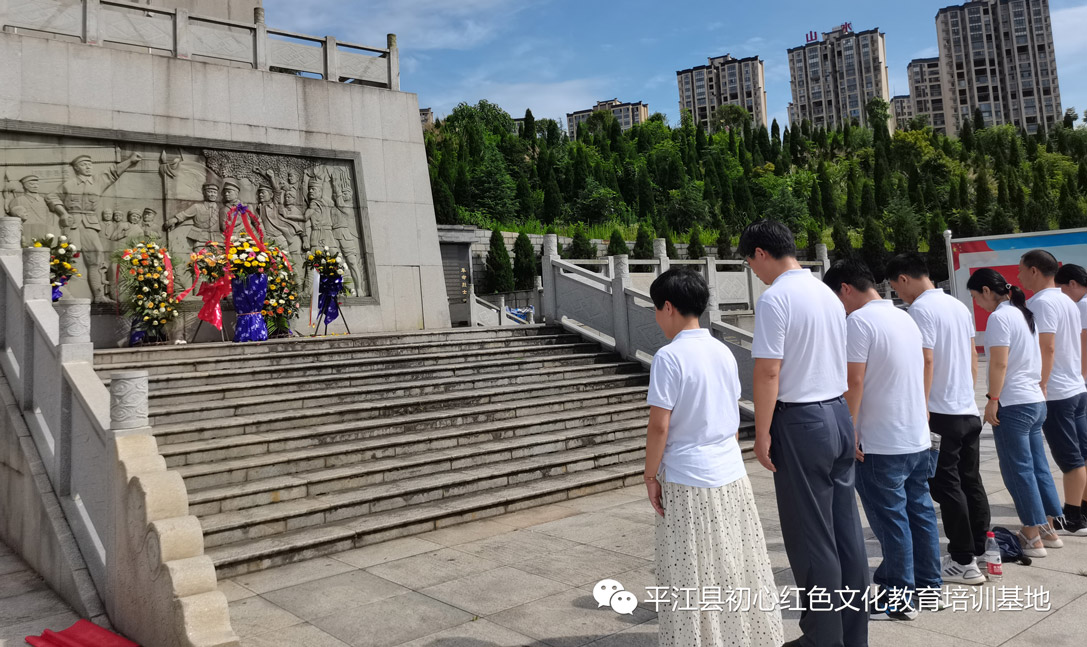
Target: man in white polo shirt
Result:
[804, 434]
[951, 366]
[886, 397]
[1065, 428]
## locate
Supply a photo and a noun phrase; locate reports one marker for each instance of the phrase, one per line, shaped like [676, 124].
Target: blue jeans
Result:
[1021, 450]
[894, 492]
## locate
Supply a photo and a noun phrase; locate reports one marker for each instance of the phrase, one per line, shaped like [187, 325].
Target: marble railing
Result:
[128, 514]
[176, 32]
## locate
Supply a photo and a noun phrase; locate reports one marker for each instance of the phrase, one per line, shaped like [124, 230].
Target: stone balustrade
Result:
[214, 40]
[127, 513]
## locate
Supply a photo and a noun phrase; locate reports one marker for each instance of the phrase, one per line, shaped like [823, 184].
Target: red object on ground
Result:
[82, 634]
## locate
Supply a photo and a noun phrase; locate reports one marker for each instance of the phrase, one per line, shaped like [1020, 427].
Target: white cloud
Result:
[547, 100]
[419, 24]
[928, 52]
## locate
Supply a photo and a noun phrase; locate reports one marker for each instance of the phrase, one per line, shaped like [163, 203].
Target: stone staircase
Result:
[291, 449]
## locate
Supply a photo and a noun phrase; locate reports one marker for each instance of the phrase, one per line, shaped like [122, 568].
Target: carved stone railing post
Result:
[75, 328]
[260, 39]
[953, 284]
[36, 274]
[128, 402]
[660, 252]
[11, 233]
[394, 63]
[620, 281]
[35, 288]
[550, 298]
[537, 297]
[91, 11]
[473, 307]
[713, 306]
[182, 39]
[822, 256]
[503, 320]
[332, 60]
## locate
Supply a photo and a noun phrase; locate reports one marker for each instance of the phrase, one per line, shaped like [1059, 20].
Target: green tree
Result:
[498, 271]
[829, 207]
[670, 246]
[695, 248]
[552, 204]
[874, 248]
[616, 245]
[445, 207]
[1070, 214]
[528, 132]
[983, 195]
[643, 248]
[724, 244]
[843, 246]
[524, 263]
[1000, 222]
[905, 228]
[1034, 218]
[815, 202]
[581, 248]
[937, 252]
[686, 208]
[868, 202]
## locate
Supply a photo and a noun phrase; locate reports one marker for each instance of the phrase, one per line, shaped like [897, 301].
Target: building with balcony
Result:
[724, 80]
[627, 114]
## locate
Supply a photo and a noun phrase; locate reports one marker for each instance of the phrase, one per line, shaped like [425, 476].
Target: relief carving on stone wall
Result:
[103, 195]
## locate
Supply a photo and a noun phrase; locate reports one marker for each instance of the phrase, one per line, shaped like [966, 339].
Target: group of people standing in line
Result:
[854, 396]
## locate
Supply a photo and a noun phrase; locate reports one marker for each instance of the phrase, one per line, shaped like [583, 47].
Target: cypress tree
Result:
[1069, 211]
[498, 272]
[724, 244]
[524, 263]
[843, 246]
[695, 248]
[529, 131]
[616, 245]
[869, 209]
[874, 248]
[826, 193]
[526, 199]
[552, 206]
[670, 246]
[445, 207]
[1000, 222]
[815, 203]
[1034, 218]
[983, 195]
[937, 254]
[581, 248]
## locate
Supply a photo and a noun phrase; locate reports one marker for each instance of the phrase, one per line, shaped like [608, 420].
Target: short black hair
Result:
[686, 289]
[1069, 273]
[771, 236]
[852, 272]
[911, 264]
[1042, 261]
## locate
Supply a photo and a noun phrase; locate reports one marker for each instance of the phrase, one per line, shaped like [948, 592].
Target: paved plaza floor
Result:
[27, 604]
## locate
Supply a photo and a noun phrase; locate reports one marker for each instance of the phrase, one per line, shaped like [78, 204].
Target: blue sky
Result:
[557, 56]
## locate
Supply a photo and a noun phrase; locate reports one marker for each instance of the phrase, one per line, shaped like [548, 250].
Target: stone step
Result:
[444, 465]
[206, 464]
[542, 395]
[179, 377]
[246, 556]
[276, 518]
[289, 355]
[182, 446]
[162, 394]
[365, 340]
[267, 402]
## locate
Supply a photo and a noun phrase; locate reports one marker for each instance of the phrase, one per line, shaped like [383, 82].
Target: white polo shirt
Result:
[1057, 314]
[947, 329]
[696, 378]
[892, 418]
[799, 321]
[1082, 305]
[1008, 327]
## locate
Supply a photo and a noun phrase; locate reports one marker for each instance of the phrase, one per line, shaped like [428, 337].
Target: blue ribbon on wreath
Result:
[327, 303]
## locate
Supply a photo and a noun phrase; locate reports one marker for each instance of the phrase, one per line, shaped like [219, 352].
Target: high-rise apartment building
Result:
[926, 91]
[724, 80]
[902, 110]
[997, 56]
[833, 78]
[627, 114]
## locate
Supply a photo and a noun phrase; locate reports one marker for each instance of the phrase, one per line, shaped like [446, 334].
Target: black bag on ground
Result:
[1010, 550]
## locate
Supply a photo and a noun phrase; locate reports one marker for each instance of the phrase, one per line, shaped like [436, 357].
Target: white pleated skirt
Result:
[710, 539]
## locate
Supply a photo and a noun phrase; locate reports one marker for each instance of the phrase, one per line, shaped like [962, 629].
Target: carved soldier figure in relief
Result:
[77, 202]
[318, 218]
[281, 225]
[30, 207]
[343, 215]
[112, 220]
[150, 226]
[205, 219]
[134, 230]
[231, 199]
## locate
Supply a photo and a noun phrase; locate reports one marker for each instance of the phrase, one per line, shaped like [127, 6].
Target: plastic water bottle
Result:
[994, 568]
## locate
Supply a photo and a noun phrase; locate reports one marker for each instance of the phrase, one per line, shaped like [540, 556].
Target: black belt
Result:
[781, 406]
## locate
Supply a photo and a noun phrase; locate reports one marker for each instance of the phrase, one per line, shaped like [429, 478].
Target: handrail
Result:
[584, 273]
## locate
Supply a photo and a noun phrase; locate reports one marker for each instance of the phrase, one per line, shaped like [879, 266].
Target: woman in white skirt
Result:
[711, 558]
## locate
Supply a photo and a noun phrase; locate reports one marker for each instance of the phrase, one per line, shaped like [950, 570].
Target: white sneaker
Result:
[952, 571]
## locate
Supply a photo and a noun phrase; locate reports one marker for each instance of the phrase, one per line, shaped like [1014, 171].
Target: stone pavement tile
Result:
[256, 615]
[535, 516]
[568, 619]
[234, 591]
[291, 574]
[604, 500]
[392, 621]
[433, 568]
[21, 582]
[477, 633]
[334, 594]
[639, 581]
[299, 635]
[31, 606]
[637, 511]
[517, 546]
[11, 563]
[1056, 630]
[464, 533]
[911, 634]
[1070, 559]
[582, 564]
[492, 591]
[387, 551]
[603, 531]
[16, 633]
[994, 628]
[643, 635]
